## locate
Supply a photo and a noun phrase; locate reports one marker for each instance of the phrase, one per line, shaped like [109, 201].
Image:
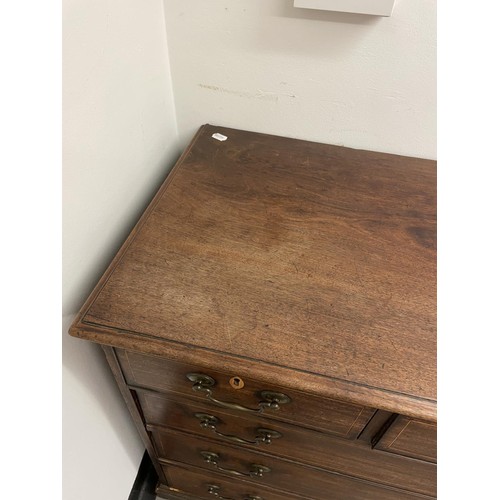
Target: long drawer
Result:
[194, 483]
[284, 440]
[244, 395]
[266, 470]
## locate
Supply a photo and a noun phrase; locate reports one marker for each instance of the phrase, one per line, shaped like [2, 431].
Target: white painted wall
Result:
[347, 79]
[119, 139]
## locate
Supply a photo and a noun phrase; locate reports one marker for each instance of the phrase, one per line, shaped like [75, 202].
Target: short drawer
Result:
[411, 438]
[284, 440]
[211, 485]
[269, 471]
[248, 397]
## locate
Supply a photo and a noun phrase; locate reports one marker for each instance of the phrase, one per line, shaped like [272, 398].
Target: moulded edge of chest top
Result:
[311, 383]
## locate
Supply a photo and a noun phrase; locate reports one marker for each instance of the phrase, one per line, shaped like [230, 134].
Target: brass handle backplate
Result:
[262, 435]
[213, 489]
[255, 470]
[270, 399]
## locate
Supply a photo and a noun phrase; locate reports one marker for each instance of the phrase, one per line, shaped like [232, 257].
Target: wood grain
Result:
[309, 256]
[333, 416]
[304, 381]
[284, 475]
[412, 438]
[196, 483]
[298, 267]
[354, 458]
[132, 408]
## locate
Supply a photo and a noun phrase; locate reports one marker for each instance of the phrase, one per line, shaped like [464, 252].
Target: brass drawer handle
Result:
[263, 435]
[213, 489]
[272, 400]
[256, 470]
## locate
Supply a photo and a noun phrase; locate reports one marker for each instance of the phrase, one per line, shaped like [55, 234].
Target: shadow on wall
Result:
[86, 366]
[288, 10]
[77, 286]
[321, 32]
[281, 28]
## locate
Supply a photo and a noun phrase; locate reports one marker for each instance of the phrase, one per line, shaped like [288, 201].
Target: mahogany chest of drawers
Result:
[271, 322]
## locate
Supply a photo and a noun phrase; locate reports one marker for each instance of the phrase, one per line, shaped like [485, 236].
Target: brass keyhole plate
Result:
[236, 383]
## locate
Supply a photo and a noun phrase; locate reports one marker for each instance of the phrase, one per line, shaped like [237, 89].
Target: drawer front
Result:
[285, 440]
[411, 438]
[211, 485]
[251, 397]
[267, 470]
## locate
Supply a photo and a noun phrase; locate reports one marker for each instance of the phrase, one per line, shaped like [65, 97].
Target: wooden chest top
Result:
[303, 261]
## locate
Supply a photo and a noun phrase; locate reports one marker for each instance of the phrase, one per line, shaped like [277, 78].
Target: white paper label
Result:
[219, 137]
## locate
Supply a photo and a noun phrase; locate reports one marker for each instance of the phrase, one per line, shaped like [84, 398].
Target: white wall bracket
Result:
[371, 7]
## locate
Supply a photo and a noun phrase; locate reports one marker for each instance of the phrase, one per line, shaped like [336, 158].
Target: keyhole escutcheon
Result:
[236, 383]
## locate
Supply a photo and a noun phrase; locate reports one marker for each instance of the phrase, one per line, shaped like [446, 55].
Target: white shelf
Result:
[371, 7]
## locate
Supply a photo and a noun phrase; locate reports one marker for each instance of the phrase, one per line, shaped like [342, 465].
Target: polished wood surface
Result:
[198, 484]
[308, 410]
[411, 438]
[304, 256]
[295, 443]
[283, 475]
[275, 304]
[132, 407]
